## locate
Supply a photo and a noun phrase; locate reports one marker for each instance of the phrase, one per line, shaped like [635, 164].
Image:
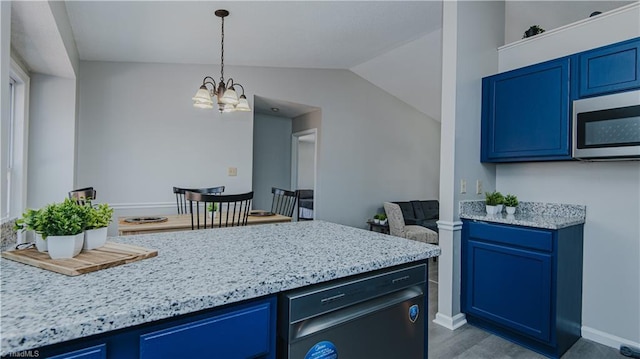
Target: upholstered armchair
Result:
[399, 229]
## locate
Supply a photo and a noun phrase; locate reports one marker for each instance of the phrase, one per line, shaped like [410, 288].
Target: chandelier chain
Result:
[222, 54]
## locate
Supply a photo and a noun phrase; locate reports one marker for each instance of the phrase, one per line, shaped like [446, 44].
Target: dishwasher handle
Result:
[316, 324]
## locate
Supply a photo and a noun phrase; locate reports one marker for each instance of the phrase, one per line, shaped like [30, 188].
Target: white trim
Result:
[119, 206]
[22, 87]
[579, 23]
[607, 339]
[451, 323]
[450, 226]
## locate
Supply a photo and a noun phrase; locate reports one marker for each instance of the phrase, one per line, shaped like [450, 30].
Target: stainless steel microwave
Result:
[607, 127]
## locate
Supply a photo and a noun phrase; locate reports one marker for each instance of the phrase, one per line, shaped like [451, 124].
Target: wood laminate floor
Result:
[474, 343]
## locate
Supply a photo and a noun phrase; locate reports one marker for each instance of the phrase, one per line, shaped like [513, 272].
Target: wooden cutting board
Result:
[110, 255]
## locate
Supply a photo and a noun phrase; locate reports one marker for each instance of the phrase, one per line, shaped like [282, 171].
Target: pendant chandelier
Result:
[225, 92]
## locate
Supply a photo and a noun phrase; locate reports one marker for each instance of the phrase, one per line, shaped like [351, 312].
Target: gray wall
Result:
[271, 157]
[139, 136]
[52, 136]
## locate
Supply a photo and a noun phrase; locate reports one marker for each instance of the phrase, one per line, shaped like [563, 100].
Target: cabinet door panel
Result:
[511, 287]
[240, 334]
[525, 113]
[610, 69]
[95, 352]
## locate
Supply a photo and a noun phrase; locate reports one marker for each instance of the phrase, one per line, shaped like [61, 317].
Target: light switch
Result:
[463, 186]
[478, 187]
[232, 171]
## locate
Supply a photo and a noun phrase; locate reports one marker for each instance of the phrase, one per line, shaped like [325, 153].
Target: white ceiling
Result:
[307, 34]
[284, 108]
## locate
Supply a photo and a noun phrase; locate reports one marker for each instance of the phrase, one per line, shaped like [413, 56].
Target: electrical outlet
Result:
[463, 186]
[478, 187]
[232, 171]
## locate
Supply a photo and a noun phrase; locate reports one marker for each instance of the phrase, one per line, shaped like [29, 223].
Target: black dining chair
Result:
[236, 209]
[181, 202]
[283, 202]
[305, 204]
[83, 195]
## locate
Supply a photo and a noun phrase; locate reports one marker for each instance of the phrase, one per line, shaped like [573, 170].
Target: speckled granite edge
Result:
[529, 214]
[41, 308]
[8, 237]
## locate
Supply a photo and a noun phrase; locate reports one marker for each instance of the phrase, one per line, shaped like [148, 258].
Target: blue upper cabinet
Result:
[610, 69]
[526, 113]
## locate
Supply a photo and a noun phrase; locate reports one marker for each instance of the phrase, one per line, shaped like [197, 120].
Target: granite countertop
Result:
[529, 214]
[194, 270]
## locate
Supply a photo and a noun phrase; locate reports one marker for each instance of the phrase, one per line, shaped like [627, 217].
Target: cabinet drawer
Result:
[610, 69]
[531, 238]
[95, 352]
[243, 333]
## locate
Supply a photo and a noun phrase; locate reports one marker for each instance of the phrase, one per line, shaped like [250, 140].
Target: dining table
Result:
[182, 222]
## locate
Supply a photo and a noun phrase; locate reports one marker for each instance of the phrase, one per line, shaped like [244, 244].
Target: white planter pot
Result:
[376, 221]
[491, 210]
[94, 238]
[383, 222]
[61, 247]
[41, 244]
[499, 209]
[511, 210]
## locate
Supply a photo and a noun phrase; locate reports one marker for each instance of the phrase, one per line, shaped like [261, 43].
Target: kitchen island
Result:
[194, 271]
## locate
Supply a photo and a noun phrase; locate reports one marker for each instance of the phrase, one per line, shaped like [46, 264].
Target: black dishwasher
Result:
[381, 315]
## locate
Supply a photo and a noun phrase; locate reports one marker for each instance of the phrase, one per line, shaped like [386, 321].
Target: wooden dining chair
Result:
[234, 209]
[284, 202]
[83, 195]
[181, 201]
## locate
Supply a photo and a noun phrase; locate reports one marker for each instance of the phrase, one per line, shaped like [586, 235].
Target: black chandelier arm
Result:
[211, 81]
[237, 84]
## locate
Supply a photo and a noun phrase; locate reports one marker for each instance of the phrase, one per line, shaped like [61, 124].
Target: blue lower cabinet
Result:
[239, 330]
[524, 284]
[94, 352]
[239, 334]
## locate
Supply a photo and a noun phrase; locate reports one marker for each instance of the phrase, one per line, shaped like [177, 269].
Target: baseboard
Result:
[607, 339]
[451, 323]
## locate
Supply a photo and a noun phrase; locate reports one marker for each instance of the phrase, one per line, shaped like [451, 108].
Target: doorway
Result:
[304, 156]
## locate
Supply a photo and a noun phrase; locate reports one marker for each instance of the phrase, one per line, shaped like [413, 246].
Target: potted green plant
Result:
[212, 209]
[98, 219]
[532, 31]
[31, 221]
[376, 218]
[383, 219]
[62, 227]
[511, 201]
[492, 200]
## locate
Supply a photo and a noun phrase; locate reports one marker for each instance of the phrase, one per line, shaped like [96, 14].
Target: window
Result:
[14, 145]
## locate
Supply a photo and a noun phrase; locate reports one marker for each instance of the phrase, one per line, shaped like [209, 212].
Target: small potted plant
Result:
[376, 218]
[31, 221]
[492, 200]
[383, 219]
[532, 31]
[212, 209]
[62, 227]
[98, 219]
[511, 201]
